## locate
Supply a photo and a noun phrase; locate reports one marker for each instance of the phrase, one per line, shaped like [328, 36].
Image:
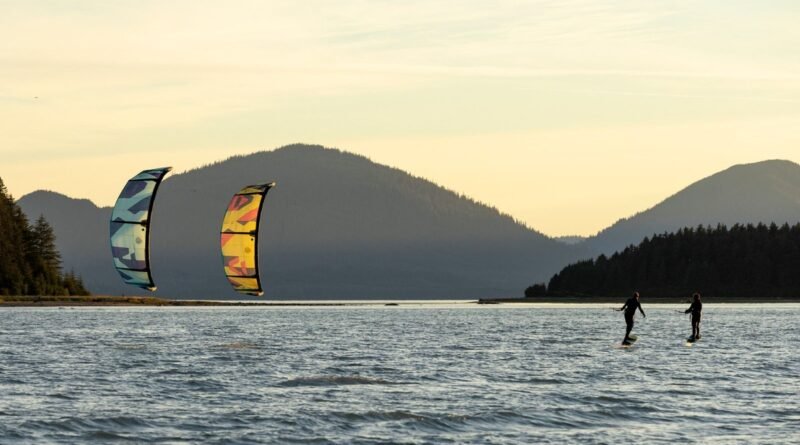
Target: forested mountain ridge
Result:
[336, 226]
[762, 192]
[81, 230]
[744, 261]
[30, 263]
[341, 226]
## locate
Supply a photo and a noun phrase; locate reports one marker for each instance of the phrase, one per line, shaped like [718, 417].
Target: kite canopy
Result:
[239, 239]
[130, 228]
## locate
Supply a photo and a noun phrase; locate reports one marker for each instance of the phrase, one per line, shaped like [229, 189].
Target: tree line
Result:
[30, 263]
[743, 261]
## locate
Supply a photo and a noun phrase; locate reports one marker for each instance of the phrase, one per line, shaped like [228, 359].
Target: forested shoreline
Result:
[743, 261]
[30, 263]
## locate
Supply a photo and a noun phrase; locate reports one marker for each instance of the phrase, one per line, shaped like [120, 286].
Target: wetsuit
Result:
[630, 307]
[697, 311]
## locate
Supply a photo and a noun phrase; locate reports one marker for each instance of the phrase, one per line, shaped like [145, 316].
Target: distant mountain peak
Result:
[768, 163]
[51, 198]
[766, 191]
[50, 194]
[325, 160]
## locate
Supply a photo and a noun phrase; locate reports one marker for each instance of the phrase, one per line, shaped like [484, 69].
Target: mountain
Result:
[336, 226]
[762, 192]
[571, 239]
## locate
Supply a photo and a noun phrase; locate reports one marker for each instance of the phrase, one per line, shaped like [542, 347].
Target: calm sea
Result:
[448, 373]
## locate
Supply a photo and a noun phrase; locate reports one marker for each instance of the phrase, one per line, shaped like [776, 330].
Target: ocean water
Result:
[406, 374]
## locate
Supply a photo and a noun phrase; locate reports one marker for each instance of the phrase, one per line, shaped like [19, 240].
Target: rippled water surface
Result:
[407, 374]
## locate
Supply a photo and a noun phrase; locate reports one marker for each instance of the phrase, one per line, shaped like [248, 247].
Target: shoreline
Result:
[107, 300]
[644, 300]
[132, 301]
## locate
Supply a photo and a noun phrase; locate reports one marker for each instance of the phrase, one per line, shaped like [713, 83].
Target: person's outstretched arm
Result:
[642, 311]
[623, 307]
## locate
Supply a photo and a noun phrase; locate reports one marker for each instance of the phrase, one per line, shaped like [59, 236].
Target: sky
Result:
[567, 115]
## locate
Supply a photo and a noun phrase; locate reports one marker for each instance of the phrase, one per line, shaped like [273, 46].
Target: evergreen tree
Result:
[45, 261]
[537, 290]
[29, 260]
[15, 276]
[73, 284]
[44, 242]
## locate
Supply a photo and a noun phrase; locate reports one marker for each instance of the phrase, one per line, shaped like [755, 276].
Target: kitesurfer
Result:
[630, 307]
[696, 309]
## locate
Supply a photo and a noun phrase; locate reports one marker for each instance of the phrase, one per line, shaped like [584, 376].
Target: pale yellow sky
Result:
[568, 114]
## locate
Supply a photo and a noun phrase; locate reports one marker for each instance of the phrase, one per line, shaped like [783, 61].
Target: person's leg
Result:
[697, 327]
[629, 327]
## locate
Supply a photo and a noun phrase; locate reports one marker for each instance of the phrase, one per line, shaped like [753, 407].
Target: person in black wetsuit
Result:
[630, 307]
[697, 311]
